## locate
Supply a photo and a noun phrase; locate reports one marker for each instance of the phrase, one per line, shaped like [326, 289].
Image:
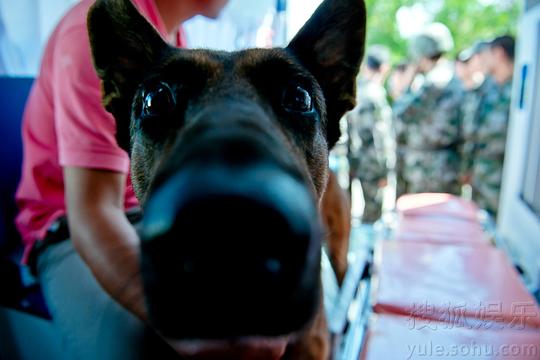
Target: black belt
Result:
[59, 232]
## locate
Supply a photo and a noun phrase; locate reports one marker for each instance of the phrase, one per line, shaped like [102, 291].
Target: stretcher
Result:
[436, 205]
[392, 337]
[440, 230]
[451, 283]
[441, 290]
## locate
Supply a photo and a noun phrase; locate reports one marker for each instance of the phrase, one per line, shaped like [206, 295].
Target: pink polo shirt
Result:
[65, 124]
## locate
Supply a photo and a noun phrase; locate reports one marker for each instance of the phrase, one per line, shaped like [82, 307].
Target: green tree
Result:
[468, 20]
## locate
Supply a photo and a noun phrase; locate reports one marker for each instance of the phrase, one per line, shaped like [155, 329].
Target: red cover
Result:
[442, 238]
[437, 204]
[457, 284]
[440, 230]
[398, 338]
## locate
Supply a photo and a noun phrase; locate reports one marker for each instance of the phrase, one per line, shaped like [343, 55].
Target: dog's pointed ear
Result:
[124, 46]
[331, 47]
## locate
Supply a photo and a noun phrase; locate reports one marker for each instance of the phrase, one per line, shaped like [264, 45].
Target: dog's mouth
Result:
[231, 252]
[253, 348]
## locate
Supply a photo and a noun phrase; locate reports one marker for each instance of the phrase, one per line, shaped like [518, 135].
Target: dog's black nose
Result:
[231, 251]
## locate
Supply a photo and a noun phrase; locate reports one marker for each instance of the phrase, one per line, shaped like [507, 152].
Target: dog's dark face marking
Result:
[197, 93]
[180, 109]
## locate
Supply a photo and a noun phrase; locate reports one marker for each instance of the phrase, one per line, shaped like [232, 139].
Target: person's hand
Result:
[409, 75]
[382, 183]
[400, 81]
[465, 178]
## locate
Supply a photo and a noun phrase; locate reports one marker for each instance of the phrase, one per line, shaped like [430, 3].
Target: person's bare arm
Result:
[103, 236]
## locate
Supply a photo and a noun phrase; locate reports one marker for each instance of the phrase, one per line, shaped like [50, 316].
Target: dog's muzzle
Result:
[231, 251]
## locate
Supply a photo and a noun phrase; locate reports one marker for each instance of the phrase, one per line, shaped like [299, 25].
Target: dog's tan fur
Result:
[336, 213]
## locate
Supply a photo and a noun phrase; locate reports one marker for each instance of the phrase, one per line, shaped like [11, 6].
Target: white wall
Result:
[25, 26]
[237, 27]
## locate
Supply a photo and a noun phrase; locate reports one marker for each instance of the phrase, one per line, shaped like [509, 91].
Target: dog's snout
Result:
[229, 146]
[218, 189]
[224, 242]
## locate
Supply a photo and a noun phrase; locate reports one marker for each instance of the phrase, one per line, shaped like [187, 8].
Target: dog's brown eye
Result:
[297, 99]
[158, 101]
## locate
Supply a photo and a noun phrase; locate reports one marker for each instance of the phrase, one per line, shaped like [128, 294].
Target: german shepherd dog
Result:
[229, 160]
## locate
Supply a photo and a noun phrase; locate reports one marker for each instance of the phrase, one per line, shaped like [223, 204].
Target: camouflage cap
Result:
[477, 48]
[433, 40]
[377, 55]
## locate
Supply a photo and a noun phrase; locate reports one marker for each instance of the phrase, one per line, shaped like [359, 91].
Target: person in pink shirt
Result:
[75, 176]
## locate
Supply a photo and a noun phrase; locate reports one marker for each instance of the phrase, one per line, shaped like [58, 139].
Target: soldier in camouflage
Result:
[471, 66]
[370, 142]
[485, 127]
[480, 83]
[427, 118]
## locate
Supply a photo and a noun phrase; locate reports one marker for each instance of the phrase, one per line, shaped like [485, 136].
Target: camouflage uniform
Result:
[370, 146]
[469, 121]
[428, 132]
[484, 132]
